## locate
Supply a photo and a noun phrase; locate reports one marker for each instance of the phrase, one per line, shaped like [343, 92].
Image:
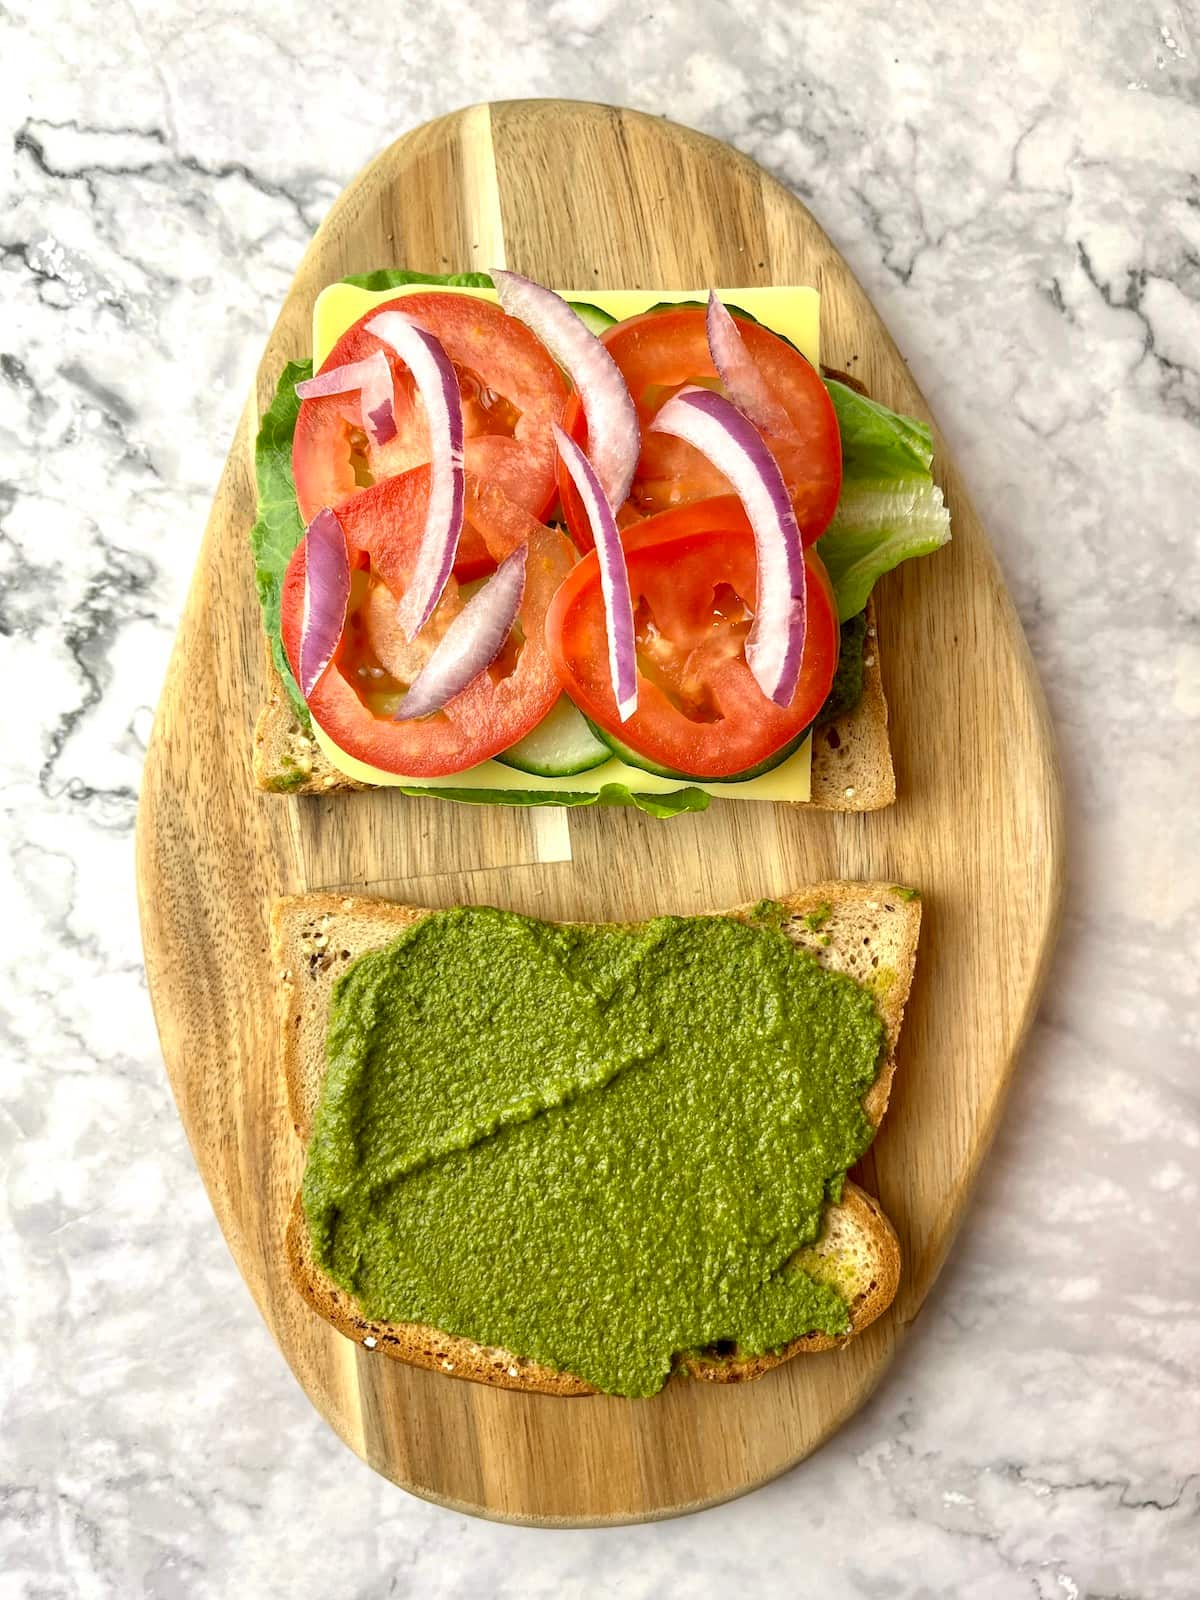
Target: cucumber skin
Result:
[593, 318]
[550, 769]
[631, 758]
[543, 771]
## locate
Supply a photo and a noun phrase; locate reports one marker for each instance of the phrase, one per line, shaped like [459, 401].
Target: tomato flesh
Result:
[661, 351]
[512, 394]
[693, 576]
[355, 700]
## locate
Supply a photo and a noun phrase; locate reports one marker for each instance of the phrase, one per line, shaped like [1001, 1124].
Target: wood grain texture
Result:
[581, 195]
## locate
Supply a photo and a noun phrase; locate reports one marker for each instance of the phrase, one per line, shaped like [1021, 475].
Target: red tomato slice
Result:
[355, 700]
[658, 353]
[693, 575]
[512, 393]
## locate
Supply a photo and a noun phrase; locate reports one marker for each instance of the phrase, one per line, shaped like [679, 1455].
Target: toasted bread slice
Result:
[867, 930]
[851, 756]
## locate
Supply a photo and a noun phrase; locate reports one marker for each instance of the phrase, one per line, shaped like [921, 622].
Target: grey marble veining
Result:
[1017, 187]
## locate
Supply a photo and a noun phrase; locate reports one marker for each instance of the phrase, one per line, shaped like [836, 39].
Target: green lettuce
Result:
[876, 442]
[890, 509]
[875, 528]
[611, 794]
[397, 277]
[278, 529]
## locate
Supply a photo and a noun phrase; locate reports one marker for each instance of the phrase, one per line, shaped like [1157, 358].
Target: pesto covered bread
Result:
[470, 1127]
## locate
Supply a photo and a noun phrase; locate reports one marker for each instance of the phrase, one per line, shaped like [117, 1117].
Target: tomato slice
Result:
[355, 700]
[512, 394]
[658, 353]
[693, 575]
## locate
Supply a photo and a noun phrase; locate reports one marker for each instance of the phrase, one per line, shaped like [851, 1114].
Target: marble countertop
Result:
[1015, 186]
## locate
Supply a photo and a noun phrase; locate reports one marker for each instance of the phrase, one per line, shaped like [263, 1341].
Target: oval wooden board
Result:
[578, 194]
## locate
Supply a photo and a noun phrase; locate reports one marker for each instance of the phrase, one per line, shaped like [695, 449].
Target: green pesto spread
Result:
[594, 1147]
[847, 688]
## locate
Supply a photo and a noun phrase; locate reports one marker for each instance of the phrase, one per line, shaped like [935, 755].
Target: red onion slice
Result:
[741, 373]
[472, 641]
[326, 596]
[437, 385]
[735, 447]
[373, 376]
[379, 400]
[614, 440]
[614, 578]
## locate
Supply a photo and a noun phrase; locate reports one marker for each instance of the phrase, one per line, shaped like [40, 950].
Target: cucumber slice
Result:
[593, 319]
[698, 305]
[560, 745]
[736, 311]
[634, 758]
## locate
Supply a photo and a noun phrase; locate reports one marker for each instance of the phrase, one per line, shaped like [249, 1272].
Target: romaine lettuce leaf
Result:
[278, 528]
[890, 509]
[612, 794]
[397, 277]
[875, 528]
[876, 442]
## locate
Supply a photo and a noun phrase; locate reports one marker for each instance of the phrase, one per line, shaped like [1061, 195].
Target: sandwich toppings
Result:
[700, 712]
[431, 619]
[358, 700]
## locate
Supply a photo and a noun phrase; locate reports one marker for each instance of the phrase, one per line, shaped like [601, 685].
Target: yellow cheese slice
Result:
[788, 781]
[794, 313]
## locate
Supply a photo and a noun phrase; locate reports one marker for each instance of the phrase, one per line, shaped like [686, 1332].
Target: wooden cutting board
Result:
[579, 195]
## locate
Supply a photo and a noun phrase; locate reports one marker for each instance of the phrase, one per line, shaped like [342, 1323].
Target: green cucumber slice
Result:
[634, 758]
[561, 745]
[736, 311]
[593, 319]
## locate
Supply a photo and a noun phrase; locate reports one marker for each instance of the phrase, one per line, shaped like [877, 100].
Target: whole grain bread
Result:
[868, 931]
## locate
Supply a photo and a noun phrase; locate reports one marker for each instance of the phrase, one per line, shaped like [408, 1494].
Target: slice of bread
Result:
[867, 930]
[851, 756]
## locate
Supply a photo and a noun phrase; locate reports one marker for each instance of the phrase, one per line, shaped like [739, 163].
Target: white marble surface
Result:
[1016, 186]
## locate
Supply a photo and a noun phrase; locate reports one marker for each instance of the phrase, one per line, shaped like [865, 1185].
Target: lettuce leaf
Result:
[397, 277]
[876, 442]
[875, 528]
[890, 509]
[278, 529]
[612, 794]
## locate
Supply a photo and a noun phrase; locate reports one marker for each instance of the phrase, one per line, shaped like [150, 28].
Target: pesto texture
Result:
[594, 1147]
[846, 689]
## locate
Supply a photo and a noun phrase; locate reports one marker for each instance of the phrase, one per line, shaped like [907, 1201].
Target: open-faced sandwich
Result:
[574, 1158]
[516, 548]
